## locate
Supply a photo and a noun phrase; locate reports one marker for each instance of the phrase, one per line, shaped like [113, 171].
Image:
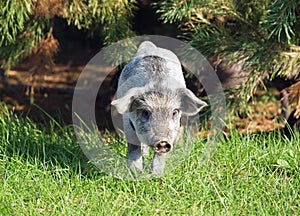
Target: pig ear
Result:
[190, 104]
[146, 45]
[123, 104]
[145, 49]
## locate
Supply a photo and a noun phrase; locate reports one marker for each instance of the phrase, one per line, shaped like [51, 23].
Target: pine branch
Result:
[14, 16]
[242, 31]
[23, 23]
[281, 16]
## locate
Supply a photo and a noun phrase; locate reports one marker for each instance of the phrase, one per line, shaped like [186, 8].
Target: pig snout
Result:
[162, 147]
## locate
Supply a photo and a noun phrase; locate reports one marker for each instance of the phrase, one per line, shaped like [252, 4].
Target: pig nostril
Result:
[158, 146]
[167, 147]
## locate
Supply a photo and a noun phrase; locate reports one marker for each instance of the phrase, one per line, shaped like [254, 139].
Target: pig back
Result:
[151, 72]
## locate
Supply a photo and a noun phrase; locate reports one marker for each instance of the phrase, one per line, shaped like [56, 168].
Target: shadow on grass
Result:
[52, 148]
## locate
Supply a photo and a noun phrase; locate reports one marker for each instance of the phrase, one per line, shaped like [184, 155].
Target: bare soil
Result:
[53, 95]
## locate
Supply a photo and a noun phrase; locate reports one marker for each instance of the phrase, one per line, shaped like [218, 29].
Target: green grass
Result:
[44, 172]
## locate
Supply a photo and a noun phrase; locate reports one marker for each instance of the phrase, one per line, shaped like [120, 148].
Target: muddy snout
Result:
[162, 147]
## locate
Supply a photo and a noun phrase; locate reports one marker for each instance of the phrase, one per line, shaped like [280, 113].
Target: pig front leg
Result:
[145, 149]
[158, 163]
[135, 160]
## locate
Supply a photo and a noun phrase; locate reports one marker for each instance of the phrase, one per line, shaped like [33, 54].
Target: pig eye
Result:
[175, 113]
[145, 114]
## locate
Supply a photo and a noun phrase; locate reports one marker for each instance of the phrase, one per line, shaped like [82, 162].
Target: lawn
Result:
[44, 172]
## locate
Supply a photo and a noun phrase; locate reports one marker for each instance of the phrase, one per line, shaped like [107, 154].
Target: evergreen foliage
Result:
[264, 35]
[24, 24]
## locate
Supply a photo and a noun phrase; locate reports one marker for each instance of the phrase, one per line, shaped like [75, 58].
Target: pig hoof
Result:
[158, 172]
[135, 166]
